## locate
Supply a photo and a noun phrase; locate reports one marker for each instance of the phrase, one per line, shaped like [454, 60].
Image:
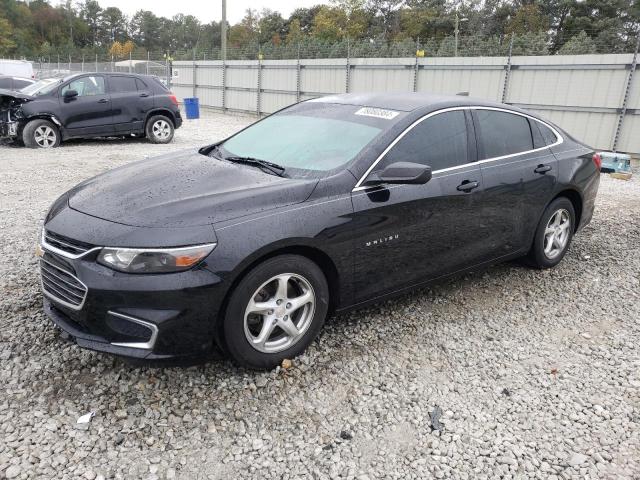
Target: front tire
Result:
[159, 129]
[41, 134]
[553, 234]
[275, 311]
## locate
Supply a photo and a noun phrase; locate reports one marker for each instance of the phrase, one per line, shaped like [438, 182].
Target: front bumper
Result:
[139, 316]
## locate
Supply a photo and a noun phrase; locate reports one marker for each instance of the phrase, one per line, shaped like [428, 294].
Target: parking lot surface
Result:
[536, 374]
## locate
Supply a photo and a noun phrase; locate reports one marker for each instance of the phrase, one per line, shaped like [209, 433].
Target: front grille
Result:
[61, 285]
[66, 244]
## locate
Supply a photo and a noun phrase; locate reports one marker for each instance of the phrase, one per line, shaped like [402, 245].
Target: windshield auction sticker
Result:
[377, 112]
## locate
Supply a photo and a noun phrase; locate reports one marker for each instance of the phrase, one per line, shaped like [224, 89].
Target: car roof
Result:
[409, 101]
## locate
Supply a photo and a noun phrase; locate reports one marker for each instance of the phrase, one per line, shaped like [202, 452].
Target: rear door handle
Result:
[542, 168]
[103, 100]
[468, 185]
[144, 94]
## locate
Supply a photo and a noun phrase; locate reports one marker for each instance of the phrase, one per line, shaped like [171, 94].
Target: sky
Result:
[207, 10]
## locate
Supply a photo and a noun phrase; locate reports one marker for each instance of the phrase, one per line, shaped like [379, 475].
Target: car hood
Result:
[184, 189]
[13, 94]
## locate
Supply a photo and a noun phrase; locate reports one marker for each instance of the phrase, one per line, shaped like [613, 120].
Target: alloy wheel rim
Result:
[44, 136]
[161, 129]
[279, 313]
[556, 233]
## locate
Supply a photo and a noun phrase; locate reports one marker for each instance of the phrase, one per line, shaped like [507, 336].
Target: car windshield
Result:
[312, 136]
[42, 87]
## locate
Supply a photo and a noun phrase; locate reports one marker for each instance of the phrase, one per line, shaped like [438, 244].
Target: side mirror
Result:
[69, 94]
[401, 173]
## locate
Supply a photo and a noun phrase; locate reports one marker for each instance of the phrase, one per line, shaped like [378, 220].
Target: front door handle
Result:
[468, 185]
[542, 168]
[103, 100]
[144, 94]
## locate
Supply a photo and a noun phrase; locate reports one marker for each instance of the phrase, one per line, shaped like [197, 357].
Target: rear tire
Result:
[553, 235]
[41, 133]
[159, 129]
[275, 311]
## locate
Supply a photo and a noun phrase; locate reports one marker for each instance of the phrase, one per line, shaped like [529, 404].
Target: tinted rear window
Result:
[122, 84]
[503, 133]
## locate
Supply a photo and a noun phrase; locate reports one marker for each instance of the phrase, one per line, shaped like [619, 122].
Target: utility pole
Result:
[223, 32]
[455, 32]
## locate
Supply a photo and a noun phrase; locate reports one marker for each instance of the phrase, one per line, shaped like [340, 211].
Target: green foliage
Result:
[580, 44]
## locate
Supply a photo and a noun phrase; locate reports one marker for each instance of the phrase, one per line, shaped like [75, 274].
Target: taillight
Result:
[597, 161]
[173, 99]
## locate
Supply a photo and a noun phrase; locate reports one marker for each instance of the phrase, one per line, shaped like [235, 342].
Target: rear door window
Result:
[439, 141]
[5, 83]
[140, 84]
[501, 133]
[122, 84]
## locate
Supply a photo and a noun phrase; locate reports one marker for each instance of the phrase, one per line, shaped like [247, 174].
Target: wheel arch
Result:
[576, 200]
[315, 254]
[160, 111]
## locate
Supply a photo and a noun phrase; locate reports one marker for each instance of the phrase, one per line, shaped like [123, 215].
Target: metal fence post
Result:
[416, 66]
[96, 62]
[148, 60]
[129, 62]
[625, 101]
[505, 87]
[258, 95]
[69, 63]
[224, 84]
[298, 75]
[82, 63]
[194, 70]
[348, 71]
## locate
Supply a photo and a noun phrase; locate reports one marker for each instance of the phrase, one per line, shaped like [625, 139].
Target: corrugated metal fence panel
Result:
[594, 128]
[323, 76]
[577, 80]
[630, 135]
[381, 74]
[581, 93]
[482, 77]
[182, 73]
[278, 84]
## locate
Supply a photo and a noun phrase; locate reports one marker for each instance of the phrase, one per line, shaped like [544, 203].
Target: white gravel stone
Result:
[503, 353]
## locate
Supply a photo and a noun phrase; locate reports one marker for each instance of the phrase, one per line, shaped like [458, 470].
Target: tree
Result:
[91, 13]
[6, 44]
[114, 25]
[145, 29]
[579, 44]
[528, 18]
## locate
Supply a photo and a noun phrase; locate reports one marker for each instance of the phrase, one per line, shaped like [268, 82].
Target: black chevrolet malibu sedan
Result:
[248, 244]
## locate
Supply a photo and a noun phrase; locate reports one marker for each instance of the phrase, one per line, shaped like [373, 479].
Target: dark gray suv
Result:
[89, 105]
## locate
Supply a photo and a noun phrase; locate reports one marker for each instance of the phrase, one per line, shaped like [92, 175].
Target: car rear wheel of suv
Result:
[159, 129]
[553, 235]
[41, 134]
[275, 311]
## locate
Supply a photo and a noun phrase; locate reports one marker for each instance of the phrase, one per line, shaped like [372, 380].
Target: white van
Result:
[16, 68]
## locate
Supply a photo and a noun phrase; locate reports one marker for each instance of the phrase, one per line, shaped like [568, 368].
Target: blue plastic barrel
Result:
[192, 108]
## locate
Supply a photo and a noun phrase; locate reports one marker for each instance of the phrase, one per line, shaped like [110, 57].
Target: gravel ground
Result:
[536, 374]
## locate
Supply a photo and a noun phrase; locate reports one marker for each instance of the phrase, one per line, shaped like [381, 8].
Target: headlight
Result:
[153, 260]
